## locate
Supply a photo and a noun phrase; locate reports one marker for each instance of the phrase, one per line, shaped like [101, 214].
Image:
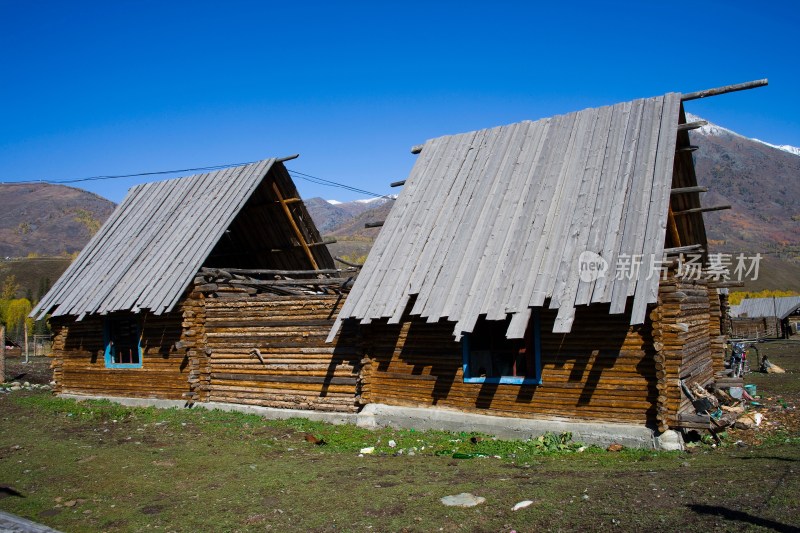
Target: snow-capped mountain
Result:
[716, 130]
[331, 214]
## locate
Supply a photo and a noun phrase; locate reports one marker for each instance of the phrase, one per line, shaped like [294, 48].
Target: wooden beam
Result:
[692, 125]
[686, 190]
[725, 89]
[397, 183]
[222, 271]
[690, 148]
[287, 158]
[297, 232]
[348, 263]
[701, 210]
[684, 249]
[417, 149]
[286, 282]
[374, 224]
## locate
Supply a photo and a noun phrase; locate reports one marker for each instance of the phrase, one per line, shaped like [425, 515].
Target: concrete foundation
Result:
[374, 416]
[599, 433]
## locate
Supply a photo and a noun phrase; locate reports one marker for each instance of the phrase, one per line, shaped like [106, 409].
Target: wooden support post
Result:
[2, 353]
[725, 89]
[373, 224]
[673, 228]
[397, 183]
[686, 190]
[701, 210]
[690, 148]
[692, 125]
[297, 232]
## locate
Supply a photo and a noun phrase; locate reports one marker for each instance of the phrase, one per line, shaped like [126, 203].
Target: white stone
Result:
[522, 505]
[465, 499]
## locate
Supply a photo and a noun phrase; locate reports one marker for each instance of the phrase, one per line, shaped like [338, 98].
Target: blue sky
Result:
[116, 87]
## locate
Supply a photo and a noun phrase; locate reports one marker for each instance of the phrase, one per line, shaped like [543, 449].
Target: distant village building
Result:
[765, 317]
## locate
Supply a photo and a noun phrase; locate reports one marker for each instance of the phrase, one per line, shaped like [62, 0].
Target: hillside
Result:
[331, 216]
[759, 181]
[49, 220]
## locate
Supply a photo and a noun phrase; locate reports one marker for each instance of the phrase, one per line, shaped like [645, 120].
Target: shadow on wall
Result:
[602, 355]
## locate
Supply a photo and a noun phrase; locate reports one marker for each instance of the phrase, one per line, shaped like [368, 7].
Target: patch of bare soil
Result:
[36, 370]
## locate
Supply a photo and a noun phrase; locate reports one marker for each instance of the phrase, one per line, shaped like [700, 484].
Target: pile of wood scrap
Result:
[222, 282]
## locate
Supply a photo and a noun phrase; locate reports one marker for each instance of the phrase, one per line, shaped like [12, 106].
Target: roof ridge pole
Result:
[726, 89]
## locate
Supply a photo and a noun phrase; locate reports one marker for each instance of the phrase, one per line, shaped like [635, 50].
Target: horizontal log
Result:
[286, 379]
[701, 210]
[692, 125]
[687, 190]
[725, 89]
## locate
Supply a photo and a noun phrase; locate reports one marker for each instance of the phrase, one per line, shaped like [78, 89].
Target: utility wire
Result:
[301, 175]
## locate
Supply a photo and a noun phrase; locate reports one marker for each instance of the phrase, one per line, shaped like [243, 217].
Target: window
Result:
[488, 357]
[122, 342]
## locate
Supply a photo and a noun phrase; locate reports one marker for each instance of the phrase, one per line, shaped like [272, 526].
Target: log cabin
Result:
[554, 270]
[213, 287]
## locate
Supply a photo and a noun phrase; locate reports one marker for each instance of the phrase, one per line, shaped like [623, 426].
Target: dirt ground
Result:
[778, 394]
[36, 370]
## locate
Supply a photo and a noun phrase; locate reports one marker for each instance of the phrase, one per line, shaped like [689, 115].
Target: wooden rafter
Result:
[673, 228]
[297, 232]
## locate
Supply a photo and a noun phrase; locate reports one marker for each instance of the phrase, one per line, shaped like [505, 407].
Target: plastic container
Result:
[751, 390]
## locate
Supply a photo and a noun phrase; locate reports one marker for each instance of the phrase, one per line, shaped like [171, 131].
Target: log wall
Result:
[79, 364]
[685, 334]
[270, 350]
[603, 370]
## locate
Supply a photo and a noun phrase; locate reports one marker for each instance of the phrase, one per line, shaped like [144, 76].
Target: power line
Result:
[138, 174]
[330, 183]
[298, 174]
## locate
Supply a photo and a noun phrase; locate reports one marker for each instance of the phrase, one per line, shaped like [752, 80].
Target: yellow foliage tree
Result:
[735, 298]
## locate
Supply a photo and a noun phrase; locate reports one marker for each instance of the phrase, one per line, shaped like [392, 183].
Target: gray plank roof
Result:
[766, 307]
[493, 222]
[148, 251]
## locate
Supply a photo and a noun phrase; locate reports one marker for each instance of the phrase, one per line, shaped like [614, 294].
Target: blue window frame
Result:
[122, 338]
[488, 357]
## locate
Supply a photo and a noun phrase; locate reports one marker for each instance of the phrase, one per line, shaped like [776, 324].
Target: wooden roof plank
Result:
[445, 270]
[437, 193]
[526, 191]
[200, 241]
[616, 221]
[607, 188]
[646, 291]
[638, 203]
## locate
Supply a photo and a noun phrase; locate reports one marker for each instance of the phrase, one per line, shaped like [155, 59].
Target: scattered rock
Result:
[71, 503]
[465, 499]
[370, 449]
[392, 444]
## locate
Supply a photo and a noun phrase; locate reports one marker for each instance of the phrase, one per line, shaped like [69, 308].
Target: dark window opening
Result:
[492, 358]
[122, 343]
